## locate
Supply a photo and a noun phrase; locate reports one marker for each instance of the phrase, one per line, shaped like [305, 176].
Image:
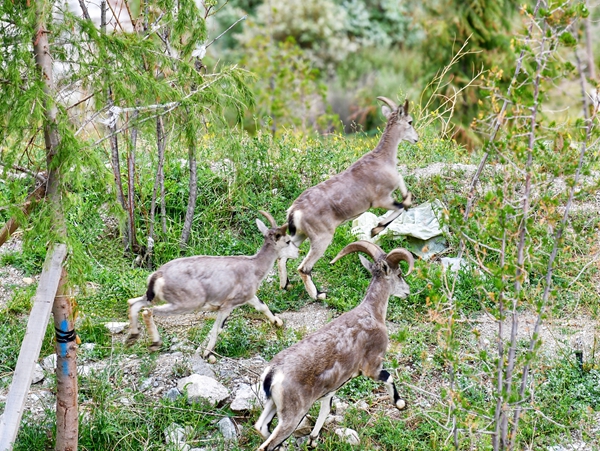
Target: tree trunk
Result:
[588, 46]
[67, 427]
[191, 207]
[133, 246]
[161, 174]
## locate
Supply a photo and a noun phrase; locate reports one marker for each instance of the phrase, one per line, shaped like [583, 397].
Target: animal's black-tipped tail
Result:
[150, 292]
[267, 384]
[291, 225]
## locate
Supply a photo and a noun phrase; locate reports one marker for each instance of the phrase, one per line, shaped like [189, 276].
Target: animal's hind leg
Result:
[284, 428]
[318, 246]
[262, 424]
[156, 342]
[388, 380]
[135, 305]
[166, 309]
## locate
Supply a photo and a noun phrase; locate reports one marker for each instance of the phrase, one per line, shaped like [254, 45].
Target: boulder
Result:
[115, 327]
[228, 428]
[246, 398]
[200, 387]
[350, 436]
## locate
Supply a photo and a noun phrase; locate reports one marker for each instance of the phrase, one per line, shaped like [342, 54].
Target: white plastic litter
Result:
[419, 224]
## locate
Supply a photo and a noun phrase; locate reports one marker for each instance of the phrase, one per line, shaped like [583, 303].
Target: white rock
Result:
[362, 405]
[87, 346]
[228, 428]
[84, 370]
[202, 387]
[49, 363]
[246, 398]
[28, 280]
[116, 327]
[333, 419]
[350, 436]
[339, 406]
[38, 374]
[175, 434]
[200, 366]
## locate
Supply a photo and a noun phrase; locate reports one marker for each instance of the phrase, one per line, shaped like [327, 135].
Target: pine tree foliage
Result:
[152, 68]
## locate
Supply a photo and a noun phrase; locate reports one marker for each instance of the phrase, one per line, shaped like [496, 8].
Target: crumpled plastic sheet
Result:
[420, 225]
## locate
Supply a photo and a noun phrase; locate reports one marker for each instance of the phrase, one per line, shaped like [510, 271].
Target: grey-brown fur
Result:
[352, 344]
[211, 283]
[368, 183]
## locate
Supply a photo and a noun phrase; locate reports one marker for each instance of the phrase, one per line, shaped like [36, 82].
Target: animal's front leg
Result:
[222, 316]
[323, 412]
[264, 309]
[398, 208]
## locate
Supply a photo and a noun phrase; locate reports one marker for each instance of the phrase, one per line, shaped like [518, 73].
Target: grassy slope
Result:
[236, 179]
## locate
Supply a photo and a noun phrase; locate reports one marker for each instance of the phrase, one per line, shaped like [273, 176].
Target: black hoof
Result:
[155, 346]
[376, 231]
[131, 339]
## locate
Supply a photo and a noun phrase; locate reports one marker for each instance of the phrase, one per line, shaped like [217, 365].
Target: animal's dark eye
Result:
[409, 122]
[277, 236]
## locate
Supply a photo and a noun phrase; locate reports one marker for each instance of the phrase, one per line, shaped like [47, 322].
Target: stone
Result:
[339, 406]
[350, 436]
[362, 405]
[88, 347]
[246, 398]
[146, 384]
[116, 327]
[38, 374]
[200, 366]
[304, 428]
[176, 436]
[333, 419]
[200, 387]
[49, 363]
[28, 280]
[84, 370]
[174, 433]
[228, 428]
[172, 394]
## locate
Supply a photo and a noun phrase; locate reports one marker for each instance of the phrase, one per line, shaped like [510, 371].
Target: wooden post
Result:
[31, 346]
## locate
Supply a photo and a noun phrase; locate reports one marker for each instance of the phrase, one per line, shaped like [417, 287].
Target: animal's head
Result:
[383, 265]
[399, 118]
[283, 242]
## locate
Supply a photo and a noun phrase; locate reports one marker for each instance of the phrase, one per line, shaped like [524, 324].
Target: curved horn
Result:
[269, 217]
[371, 249]
[401, 254]
[390, 103]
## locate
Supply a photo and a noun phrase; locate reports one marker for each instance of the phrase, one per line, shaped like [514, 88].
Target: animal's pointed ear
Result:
[262, 227]
[405, 106]
[386, 111]
[386, 268]
[366, 263]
